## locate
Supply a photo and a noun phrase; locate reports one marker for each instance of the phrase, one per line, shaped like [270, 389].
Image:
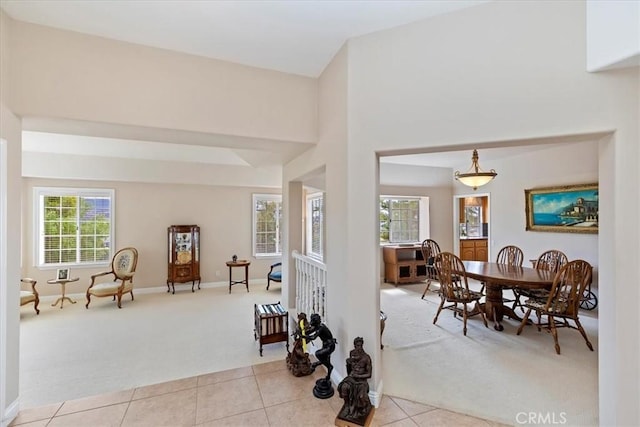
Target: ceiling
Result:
[298, 37]
[293, 36]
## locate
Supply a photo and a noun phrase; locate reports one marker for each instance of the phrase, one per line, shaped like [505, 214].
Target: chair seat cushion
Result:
[464, 295]
[276, 275]
[539, 304]
[109, 288]
[26, 296]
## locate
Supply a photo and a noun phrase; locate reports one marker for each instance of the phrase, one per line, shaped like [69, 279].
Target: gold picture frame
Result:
[562, 209]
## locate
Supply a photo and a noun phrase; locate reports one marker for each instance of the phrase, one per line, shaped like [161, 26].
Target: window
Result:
[403, 219]
[73, 226]
[267, 215]
[315, 226]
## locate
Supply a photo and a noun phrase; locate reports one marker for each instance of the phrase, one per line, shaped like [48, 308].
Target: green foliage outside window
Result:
[76, 229]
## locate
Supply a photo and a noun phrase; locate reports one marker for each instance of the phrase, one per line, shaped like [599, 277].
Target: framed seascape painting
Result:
[566, 209]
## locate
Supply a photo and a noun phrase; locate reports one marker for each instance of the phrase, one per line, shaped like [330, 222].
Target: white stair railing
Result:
[311, 285]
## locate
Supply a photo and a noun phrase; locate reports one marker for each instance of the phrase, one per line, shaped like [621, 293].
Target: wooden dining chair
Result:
[509, 255]
[454, 289]
[552, 260]
[563, 301]
[430, 249]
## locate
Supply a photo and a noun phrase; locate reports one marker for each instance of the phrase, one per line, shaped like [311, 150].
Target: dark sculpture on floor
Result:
[317, 329]
[354, 389]
[298, 360]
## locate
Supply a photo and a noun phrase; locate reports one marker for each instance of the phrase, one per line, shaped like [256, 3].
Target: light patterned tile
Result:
[281, 386]
[387, 412]
[412, 408]
[108, 416]
[39, 423]
[441, 417]
[406, 422]
[218, 377]
[93, 402]
[256, 418]
[162, 388]
[263, 368]
[170, 409]
[305, 412]
[225, 399]
[35, 414]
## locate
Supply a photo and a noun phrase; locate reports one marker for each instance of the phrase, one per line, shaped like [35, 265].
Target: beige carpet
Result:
[488, 374]
[74, 352]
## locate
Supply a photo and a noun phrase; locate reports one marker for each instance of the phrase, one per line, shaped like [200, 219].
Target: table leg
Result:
[494, 306]
[230, 282]
[246, 276]
[63, 297]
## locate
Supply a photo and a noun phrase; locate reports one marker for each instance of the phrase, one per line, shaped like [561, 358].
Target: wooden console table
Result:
[271, 324]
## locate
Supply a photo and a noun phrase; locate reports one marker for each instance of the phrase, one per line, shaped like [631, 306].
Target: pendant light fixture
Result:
[476, 177]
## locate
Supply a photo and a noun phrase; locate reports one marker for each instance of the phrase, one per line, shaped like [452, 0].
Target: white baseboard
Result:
[153, 289]
[11, 413]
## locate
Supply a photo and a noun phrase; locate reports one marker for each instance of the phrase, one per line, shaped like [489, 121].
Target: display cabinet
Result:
[184, 256]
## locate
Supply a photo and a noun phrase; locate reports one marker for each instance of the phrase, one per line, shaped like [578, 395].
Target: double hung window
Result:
[74, 226]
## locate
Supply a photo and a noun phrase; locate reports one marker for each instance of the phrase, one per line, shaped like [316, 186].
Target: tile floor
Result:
[259, 395]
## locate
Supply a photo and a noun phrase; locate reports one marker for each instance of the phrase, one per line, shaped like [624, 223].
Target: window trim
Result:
[267, 197]
[309, 226]
[424, 221]
[38, 192]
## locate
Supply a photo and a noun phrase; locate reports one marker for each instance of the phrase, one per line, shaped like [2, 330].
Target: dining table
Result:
[498, 276]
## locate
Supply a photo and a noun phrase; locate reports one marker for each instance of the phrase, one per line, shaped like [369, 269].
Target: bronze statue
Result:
[298, 360]
[354, 389]
[317, 329]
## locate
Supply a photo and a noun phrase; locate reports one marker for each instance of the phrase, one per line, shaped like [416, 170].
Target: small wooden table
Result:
[62, 283]
[240, 263]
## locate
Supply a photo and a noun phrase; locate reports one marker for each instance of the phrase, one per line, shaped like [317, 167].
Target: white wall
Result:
[613, 34]
[500, 77]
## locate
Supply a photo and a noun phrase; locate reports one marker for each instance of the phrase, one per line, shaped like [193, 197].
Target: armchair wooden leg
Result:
[88, 301]
[35, 305]
[268, 283]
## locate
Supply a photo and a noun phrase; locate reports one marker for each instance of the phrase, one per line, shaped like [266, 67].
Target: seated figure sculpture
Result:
[354, 389]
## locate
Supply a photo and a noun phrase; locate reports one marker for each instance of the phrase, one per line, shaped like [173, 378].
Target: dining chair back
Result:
[552, 260]
[563, 301]
[430, 249]
[454, 289]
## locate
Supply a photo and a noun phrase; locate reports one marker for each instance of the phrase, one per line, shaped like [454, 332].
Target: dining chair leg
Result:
[426, 289]
[464, 319]
[554, 332]
[524, 322]
[484, 318]
[584, 334]
[435, 319]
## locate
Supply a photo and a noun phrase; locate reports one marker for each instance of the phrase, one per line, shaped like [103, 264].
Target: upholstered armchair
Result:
[123, 268]
[275, 274]
[31, 295]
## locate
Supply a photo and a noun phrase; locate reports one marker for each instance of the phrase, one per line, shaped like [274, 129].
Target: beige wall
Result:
[69, 75]
[143, 213]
